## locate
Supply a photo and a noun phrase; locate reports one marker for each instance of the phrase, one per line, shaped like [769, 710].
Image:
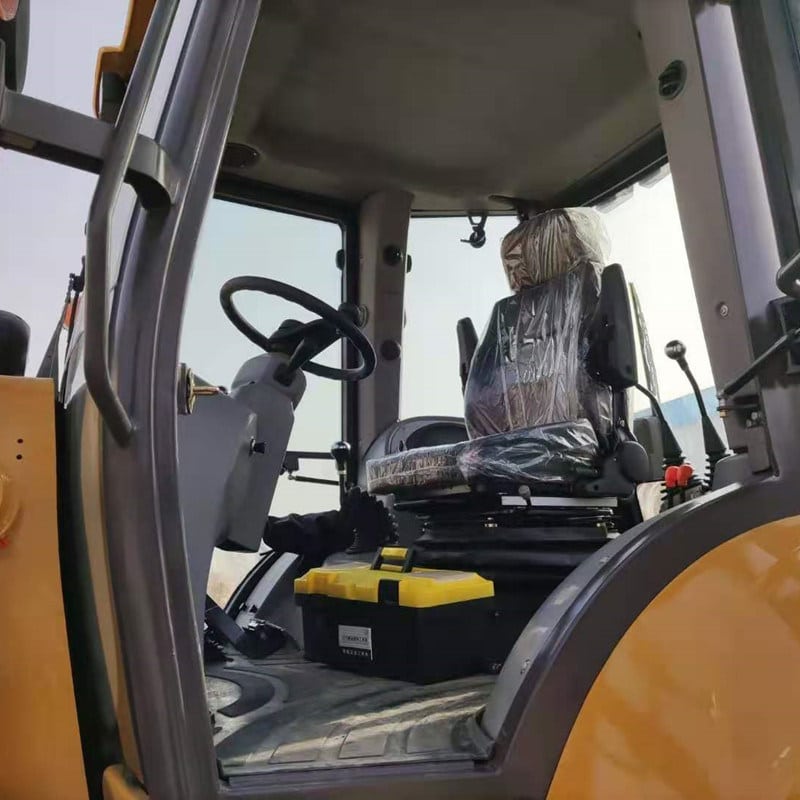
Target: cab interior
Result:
[494, 266]
[524, 119]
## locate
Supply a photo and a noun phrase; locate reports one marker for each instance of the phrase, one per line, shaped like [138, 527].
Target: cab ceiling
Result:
[452, 100]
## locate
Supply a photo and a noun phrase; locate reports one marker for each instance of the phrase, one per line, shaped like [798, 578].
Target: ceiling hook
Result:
[478, 236]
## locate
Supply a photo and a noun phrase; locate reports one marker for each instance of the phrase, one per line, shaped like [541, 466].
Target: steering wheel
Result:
[302, 341]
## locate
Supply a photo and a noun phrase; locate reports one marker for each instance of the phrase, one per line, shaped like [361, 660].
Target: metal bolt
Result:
[723, 310]
[390, 350]
[392, 255]
[754, 420]
[189, 390]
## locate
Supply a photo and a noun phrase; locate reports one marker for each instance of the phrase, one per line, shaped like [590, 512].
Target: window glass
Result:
[243, 240]
[647, 240]
[449, 280]
[167, 67]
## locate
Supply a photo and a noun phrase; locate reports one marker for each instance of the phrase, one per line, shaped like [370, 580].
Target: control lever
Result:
[679, 483]
[341, 455]
[712, 443]
[673, 455]
[291, 463]
[258, 640]
[786, 341]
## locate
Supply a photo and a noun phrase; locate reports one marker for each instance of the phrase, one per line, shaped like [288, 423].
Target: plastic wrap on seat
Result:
[552, 244]
[534, 411]
[530, 367]
[551, 455]
[554, 455]
[430, 467]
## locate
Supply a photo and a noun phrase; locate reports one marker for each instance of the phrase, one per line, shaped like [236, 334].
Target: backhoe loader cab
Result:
[428, 410]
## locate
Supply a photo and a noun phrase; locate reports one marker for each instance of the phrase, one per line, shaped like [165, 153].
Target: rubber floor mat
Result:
[288, 713]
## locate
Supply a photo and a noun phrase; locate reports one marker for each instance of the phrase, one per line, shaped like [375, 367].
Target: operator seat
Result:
[545, 398]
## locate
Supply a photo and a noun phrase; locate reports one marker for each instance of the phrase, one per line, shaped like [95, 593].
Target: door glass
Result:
[243, 240]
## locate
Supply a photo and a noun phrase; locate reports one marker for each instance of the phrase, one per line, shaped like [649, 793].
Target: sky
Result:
[43, 206]
[43, 210]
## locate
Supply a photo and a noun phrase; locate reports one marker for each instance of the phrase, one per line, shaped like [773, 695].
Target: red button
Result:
[671, 477]
[685, 473]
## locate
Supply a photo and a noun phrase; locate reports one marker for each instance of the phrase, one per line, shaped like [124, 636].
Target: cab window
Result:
[449, 280]
[646, 239]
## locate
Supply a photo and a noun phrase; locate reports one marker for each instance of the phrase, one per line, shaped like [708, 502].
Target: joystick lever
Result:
[712, 442]
[341, 455]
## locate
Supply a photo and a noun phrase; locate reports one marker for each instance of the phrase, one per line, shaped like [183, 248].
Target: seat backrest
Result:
[561, 347]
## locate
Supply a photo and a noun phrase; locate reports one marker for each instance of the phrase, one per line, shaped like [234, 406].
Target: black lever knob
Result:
[676, 350]
[341, 455]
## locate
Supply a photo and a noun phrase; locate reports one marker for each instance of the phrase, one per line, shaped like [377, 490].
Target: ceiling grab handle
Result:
[98, 226]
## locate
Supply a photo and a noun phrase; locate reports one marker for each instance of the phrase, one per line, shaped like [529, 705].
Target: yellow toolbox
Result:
[395, 620]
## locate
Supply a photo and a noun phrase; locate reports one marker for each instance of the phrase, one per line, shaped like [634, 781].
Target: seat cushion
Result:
[428, 467]
[556, 454]
[552, 455]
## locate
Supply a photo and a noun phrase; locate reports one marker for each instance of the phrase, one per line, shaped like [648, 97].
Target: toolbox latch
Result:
[389, 593]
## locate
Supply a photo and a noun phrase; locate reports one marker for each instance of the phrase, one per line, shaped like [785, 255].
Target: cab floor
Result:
[285, 713]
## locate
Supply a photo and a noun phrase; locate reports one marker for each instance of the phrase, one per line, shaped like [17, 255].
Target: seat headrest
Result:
[552, 244]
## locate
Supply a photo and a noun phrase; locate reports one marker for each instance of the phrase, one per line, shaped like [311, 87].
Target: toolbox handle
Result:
[402, 557]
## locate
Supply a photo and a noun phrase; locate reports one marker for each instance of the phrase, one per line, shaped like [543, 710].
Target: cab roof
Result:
[461, 102]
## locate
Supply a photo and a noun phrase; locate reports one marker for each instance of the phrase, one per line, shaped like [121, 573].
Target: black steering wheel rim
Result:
[342, 323]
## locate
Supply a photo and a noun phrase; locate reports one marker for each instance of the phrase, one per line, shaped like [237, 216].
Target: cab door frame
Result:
[146, 549]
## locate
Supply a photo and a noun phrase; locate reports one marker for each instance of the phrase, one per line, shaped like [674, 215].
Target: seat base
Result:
[526, 551]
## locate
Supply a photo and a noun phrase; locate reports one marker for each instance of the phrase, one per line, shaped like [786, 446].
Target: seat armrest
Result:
[467, 344]
[613, 349]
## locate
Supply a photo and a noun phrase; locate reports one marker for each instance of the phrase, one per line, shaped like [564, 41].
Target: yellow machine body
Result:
[701, 697]
[41, 745]
[122, 59]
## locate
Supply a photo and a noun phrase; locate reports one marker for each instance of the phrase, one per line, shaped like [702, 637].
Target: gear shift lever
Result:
[341, 455]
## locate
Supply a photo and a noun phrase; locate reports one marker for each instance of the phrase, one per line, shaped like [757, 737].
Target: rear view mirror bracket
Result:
[57, 134]
[14, 34]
